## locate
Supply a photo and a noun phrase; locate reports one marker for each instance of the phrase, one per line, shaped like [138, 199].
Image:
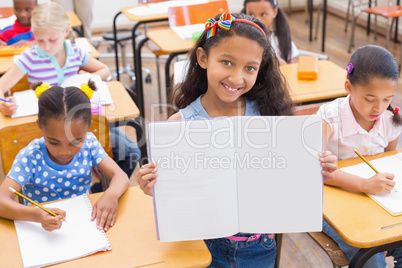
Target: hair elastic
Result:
[87, 90]
[395, 110]
[225, 22]
[349, 68]
[42, 87]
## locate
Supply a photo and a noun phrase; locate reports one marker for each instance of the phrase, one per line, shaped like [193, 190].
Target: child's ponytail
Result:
[282, 31]
[396, 119]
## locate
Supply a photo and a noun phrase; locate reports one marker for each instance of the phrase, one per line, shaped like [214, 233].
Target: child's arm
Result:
[105, 209]
[96, 67]
[7, 81]
[22, 43]
[10, 209]
[2, 43]
[381, 183]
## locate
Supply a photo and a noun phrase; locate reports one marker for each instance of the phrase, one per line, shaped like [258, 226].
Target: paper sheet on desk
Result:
[27, 103]
[390, 202]
[162, 7]
[186, 32]
[78, 79]
[82, 43]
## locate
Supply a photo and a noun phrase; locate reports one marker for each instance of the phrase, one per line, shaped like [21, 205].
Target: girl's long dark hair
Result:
[269, 91]
[282, 30]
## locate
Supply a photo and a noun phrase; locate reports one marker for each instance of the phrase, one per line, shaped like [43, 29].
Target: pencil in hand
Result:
[33, 202]
[367, 162]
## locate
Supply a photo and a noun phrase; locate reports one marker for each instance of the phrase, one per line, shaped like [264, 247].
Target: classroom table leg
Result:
[324, 25]
[310, 10]
[116, 55]
[137, 64]
[167, 72]
[138, 77]
[364, 254]
[396, 25]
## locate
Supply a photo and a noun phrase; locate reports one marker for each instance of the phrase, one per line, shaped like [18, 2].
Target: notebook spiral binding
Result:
[89, 206]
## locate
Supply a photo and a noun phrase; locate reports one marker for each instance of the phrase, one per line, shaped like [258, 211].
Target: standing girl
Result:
[59, 165]
[54, 60]
[365, 121]
[273, 17]
[232, 72]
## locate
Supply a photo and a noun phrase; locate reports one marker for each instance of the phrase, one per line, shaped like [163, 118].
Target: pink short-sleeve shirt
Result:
[347, 134]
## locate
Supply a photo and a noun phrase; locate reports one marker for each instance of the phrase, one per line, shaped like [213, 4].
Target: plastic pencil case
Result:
[308, 68]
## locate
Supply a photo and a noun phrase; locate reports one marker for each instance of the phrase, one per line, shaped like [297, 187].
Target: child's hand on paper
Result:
[328, 163]
[50, 222]
[380, 183]
[146, 177]
[8, 108]
[105, 211]
[2, 43]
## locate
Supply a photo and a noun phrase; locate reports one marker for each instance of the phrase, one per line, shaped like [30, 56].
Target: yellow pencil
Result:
[33, 202]
[364, 159]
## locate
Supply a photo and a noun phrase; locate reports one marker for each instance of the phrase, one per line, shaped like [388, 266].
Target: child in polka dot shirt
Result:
[59, 165]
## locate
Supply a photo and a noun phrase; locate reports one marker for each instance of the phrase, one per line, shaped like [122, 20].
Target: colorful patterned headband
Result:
[45, 86]
[225, 22]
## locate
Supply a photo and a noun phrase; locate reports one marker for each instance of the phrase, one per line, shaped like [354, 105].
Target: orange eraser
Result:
[308, 68]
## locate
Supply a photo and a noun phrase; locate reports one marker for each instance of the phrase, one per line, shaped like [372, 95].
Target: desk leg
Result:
[310, 11]
[364, 254]
[167, 73]
[116, 55]
[137, 65]
[324, 25]
[138, 78]
[396, 25]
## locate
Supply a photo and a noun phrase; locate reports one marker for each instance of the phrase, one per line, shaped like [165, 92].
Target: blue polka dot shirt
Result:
[43, 180]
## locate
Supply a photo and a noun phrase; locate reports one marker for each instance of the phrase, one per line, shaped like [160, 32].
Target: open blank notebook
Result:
[227, 175]
[390, 202]
[27, 103]
[78, 237]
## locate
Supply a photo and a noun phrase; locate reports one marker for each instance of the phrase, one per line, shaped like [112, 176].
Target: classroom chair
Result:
[15, 138]
[194, 14]
[389, 12]
[124, 35]
[335, 254]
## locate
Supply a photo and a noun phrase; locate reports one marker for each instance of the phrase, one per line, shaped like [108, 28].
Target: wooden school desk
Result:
[359, 220]
[123, 108]
[328, 85]
[133, 240]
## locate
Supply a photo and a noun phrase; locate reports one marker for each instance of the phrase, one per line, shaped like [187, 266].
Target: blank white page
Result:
[102, 88]
[391, 202]
[27, 103]
[279, 174]
[195, 195]
[78, 237]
